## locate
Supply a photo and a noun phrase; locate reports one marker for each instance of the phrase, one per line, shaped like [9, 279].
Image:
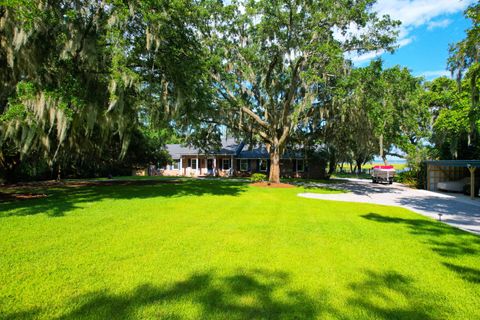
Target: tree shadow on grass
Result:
[467, 273]
[61, 200]
[446, 241]
[254, 294]
[391, 295]
[416, 226]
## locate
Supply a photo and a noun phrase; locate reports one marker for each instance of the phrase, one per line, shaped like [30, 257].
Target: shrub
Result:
[407, 177]
[258, 177]
[413, 178]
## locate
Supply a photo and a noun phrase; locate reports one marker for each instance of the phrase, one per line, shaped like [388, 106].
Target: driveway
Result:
[456, 210]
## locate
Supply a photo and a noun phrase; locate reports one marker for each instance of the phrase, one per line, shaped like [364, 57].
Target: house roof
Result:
[232, 147]
[229, 147]
[260, 152]
[454, 163]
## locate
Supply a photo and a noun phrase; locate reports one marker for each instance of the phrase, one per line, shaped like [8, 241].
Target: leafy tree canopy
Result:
[74, 74]
[271, 60]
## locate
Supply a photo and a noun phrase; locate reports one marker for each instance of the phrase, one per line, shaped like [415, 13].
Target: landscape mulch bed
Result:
[21, 191]
[20, 196]
[87, 183]
[118, 183]
[264, 184]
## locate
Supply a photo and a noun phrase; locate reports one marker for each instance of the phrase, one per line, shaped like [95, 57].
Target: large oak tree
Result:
[271, 59]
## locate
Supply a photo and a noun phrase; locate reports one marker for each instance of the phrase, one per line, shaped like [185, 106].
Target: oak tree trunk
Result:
[380, 141]
[59, 174]
[332, 163]
[274, 176]
[359, 166]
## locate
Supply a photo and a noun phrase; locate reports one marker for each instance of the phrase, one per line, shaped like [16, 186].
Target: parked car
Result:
[383, 174]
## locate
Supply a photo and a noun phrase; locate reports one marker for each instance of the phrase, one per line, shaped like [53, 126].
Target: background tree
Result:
[381, 113]
[76, 76]
[451, 123]
[464, 63]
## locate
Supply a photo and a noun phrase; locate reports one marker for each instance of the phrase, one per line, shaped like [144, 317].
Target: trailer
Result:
[383, 174]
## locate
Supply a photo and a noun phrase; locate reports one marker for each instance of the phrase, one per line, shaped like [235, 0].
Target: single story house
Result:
[234, 158]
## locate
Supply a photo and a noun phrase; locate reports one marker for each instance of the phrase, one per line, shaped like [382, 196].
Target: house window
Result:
[175, 164]
[226, 164]
[243, 165]
[300, 166]
[263, 165]
[194, 164]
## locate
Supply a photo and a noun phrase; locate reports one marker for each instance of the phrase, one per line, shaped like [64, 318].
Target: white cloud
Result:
[413, 14]
[439, 24]
[405, 41]
[435, 74]
[416, 13]
[361, 59]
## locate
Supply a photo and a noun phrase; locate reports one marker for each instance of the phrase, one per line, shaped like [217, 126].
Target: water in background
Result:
[396, 161]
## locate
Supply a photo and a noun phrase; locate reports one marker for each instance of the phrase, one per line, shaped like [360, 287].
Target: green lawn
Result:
[225, 250]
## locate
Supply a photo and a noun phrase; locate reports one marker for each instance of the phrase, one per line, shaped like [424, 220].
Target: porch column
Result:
[215, 166]
[428, 177]
[231, 166]
[180, 168]
[198, 165]
[472, 181]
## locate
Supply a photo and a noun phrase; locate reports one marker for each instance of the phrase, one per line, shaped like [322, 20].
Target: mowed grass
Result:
[226, 250]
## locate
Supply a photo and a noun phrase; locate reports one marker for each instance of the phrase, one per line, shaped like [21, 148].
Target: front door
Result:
[210, 166]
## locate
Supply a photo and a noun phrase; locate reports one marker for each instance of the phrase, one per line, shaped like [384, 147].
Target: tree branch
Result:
[291, 90]
[230, 96]
[255, 117]
[262, 134]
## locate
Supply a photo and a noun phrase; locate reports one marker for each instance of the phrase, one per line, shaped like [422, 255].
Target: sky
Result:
[428, 27]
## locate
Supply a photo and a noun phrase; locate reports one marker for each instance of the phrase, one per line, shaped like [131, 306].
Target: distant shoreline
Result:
[400, 161]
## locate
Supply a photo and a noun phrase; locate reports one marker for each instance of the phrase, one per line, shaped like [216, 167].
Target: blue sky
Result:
[428, 27]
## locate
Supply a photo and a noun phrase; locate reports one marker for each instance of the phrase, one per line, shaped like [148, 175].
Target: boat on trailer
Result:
[383, 174]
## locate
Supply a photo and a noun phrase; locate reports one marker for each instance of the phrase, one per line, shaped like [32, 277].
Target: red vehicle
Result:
[383, 174]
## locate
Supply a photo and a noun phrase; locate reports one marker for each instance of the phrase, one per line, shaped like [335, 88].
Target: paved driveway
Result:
[456, 210]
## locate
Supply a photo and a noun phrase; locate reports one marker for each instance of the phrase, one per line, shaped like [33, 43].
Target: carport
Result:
[439, 171]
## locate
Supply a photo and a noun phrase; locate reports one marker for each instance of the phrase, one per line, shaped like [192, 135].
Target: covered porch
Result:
[206, 165]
